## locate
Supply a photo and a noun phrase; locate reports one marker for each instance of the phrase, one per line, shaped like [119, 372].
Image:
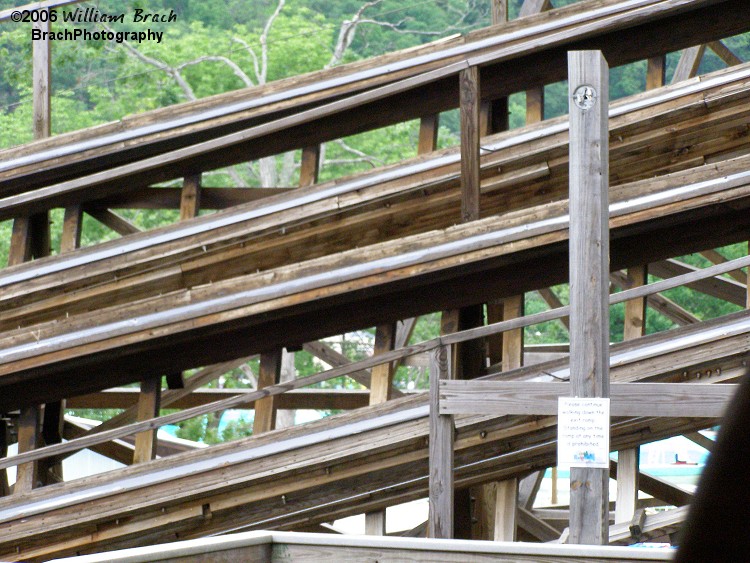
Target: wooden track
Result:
[287, 268]
[328, 468]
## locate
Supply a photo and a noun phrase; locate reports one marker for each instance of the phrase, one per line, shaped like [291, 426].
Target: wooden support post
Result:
[309, 168]
[375, 523]
[41, 88]
[4, 443]
[428, 133]
[72, 225]
[469, 111]
[499, 11]
[148, 407]
[20, 241]
[441, 451]
[656, 68]
[268, 374]
[381, 382]
[190, 197]
[53, 424]
[513, 307]
[28, 432]
[534, 105]
[628, 460]
[588, 79]
[687, 66]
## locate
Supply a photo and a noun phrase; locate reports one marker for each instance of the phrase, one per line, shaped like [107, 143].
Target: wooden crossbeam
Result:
[719, 287]
[687, 66]
[116, 222]
[541, 398]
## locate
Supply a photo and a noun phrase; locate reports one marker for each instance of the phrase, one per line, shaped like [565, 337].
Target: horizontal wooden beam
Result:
[627, 399]
[169, 198]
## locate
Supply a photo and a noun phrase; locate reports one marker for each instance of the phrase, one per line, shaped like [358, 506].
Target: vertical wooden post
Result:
[499, 11]
[28, 431]
[41, 78]
[381, 387]
[535, 105]
[268, 374]
[381, 381]
[309, 166]
[4, 443]
[441, 451]
[148, 407]
[469, 112]
[53, 422]
[190, 197]
[628, 460]
[656, 68]
[428, 133]
[588, 79]
[72, 226]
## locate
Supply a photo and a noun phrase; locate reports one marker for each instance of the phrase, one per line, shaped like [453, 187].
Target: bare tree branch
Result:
[236, 70]
[264, 42]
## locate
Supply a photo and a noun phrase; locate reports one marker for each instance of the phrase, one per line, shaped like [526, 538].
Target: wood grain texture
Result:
[469, 89]
[440, 452]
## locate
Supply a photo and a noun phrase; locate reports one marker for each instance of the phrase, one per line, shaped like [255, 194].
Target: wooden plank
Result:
[28, 430]
[701, 440]
[535, 105]
[589, 274]
[499, 13]
[51, 471]
[717, 257]
[687, 66]
[528, 487]
[719, 287]
[656, 68]
[671, 310]
[428, 133]
[169, 198]
[627, 399]
[110, 219]
[505, 510]
[469, 89]
[72, 226]
[4, 443]
[513, 307]
[382, 375]
[531, 7]
[375, 523]
[268, 375]
[440, 451]
[190, 196]
[20, 241]
[628, 460]
[148, 408]
[536, 526]
[309, 166]
[554, 303]
[42, 81]
[655, 526]
[725, 53]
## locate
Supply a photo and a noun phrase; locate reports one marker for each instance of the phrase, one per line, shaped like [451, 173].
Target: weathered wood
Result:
[469, 88]
[637, 522]
[50, 470]
[655, 526]
[627, 485]
[268, 375]
[528, 487]
[20, 241]
[190, 197]
[513, 307]
[687, 66]
[72, 227]
[429, 126]
[148, 408]
[28, 431]
[717, 257]
[719, 286]
[701, 440]
[725, 53]
[499, 13]
[656, 69]
[42, 81]
[536, 526]
[540, 398]
[628, 460]
[382, 375]
[4, 443]
[535, 105]
[441, 451]
[375, 523]
[309, 166]
[589, 274]
[116, 222]
[531, 7]
[551, 299]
